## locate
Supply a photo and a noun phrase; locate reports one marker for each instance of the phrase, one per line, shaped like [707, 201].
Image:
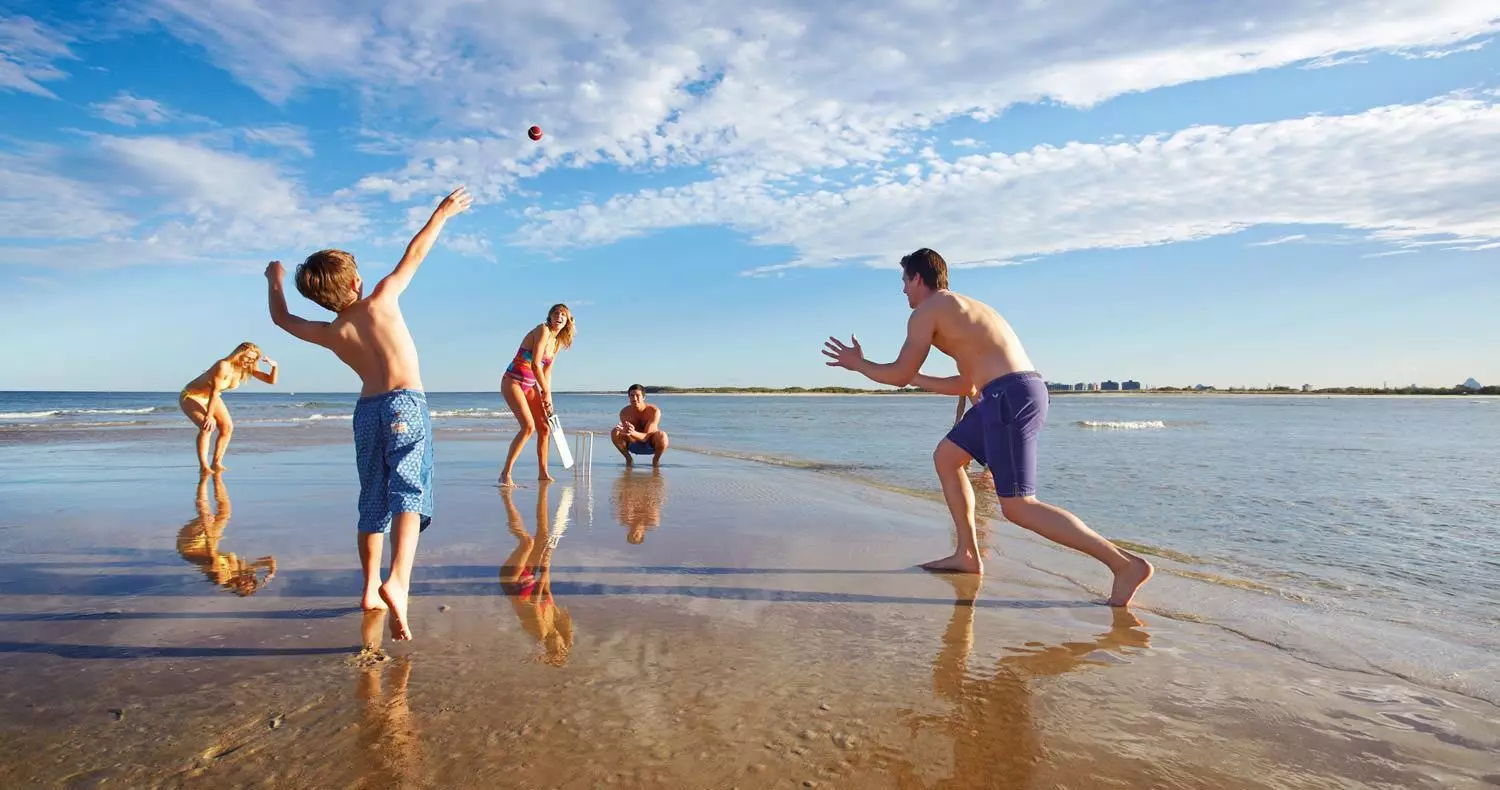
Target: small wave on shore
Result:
[1121, 425]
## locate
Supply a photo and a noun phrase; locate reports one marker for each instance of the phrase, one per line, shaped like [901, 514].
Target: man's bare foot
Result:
[506, 482]
[371, 601]
[958, 562]
[204, 469]
[1130, 580]
[220, 467]
[545, 478]
[395, 596]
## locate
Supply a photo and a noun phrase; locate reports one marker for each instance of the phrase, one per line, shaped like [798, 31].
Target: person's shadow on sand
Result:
[995, 740]
[198, 543]
[638, 499]
[526, 575]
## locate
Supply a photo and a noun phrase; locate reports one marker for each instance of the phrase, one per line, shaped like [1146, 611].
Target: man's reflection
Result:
[639, 497]
[198, 543]
[995, 741]
[526, 577]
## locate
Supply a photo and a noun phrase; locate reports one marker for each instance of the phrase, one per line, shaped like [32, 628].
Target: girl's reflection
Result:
[198, 543]
[526, 576]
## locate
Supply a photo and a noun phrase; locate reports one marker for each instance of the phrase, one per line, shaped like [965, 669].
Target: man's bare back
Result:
[980, 341]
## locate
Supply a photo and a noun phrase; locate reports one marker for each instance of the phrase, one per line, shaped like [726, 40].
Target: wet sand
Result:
[715, 624]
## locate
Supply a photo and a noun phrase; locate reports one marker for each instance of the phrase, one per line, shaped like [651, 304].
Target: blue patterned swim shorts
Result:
[393, 449]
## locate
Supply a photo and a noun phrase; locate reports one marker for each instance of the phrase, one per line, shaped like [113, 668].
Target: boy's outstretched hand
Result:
[456, 203]
[275, 271]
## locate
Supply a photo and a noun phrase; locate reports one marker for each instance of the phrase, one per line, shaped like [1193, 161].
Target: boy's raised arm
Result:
[394, 283]
[315, 332]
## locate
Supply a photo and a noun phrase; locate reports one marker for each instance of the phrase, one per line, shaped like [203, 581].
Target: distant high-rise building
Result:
[1131, 385]
[1471, 384]
[1110, 386]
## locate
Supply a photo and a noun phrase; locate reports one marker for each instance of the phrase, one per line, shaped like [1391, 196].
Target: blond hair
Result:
[327, 278]
[237, 356]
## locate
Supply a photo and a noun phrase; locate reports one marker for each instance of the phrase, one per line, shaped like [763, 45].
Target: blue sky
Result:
[1177, 192]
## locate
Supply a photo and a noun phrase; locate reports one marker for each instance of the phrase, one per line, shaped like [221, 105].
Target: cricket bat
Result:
[561, 440]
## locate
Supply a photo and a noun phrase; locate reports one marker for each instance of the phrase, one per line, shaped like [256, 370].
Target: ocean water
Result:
[1379, 511]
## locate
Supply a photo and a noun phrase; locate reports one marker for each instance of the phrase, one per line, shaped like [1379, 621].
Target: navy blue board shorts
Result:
[1000, 431]
[641, 448]
[393, 449]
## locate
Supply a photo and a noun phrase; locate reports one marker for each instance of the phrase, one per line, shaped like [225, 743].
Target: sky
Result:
[1175, 192]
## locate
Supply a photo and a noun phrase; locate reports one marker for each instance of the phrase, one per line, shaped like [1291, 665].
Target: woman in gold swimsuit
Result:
[201, 400]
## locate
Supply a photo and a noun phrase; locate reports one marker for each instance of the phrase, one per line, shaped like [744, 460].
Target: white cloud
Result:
[36, 203]
[967, 142]
[283, 136]
[170, 200]
[128, 110]
[28, 51]
[779, 87]
[1280, 240]
[1405, 175]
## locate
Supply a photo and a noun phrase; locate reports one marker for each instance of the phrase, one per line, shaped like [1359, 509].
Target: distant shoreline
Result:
[839, 391]
[783, 391]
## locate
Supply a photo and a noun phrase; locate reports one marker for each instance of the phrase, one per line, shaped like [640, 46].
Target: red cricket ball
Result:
[534, 132]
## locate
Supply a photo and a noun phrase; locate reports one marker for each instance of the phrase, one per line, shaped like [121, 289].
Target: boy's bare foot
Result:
[957, 562]
[371, 601]
[506, 482]
[204, 469]
[1130, 580]
[220, 467]
[395, 595]
[544, 477]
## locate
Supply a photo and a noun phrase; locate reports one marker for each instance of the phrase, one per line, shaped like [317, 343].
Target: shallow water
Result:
[1381, 514]
[717, 623]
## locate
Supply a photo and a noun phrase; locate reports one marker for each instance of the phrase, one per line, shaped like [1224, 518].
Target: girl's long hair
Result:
[237, 357]
[565, 337]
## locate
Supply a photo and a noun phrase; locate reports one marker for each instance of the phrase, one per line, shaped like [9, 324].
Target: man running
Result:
[1000, 432]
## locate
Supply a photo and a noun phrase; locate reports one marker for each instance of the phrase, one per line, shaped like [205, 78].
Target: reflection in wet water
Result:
[526, 575]
[198, 543]
[638, 500]
[390, 749]
[996, 742]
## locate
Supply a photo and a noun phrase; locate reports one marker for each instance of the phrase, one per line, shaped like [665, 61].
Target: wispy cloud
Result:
[29, 51]
[186, 201]
[774, 88]
[1280, 240]
[129, 110]
[283, 136]
[1402, 174]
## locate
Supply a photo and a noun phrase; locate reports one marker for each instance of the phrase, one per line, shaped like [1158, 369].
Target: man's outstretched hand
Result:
[848, 357]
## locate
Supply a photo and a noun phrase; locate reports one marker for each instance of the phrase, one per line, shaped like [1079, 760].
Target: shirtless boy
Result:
[639, 431]
[1000, 432]
[392, 427]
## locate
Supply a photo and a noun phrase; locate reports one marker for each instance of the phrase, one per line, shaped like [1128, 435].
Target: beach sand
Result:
[718, 623]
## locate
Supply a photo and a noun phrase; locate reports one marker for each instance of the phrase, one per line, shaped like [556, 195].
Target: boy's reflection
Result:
[387, 734]
[198, 543]
[995, 741]
[639, 497]
[526, 576]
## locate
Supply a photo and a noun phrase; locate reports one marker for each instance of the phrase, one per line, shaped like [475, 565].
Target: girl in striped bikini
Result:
[527, 387]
